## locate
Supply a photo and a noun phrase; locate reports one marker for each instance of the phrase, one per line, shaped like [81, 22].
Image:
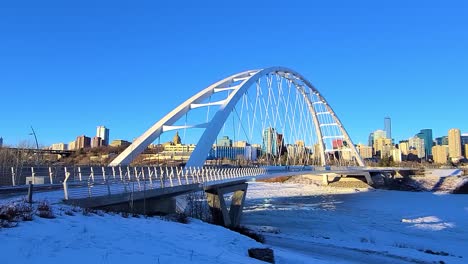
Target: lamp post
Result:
[37, 144]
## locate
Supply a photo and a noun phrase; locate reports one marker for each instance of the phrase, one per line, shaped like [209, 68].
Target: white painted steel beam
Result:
[222, 89]
[171, 128]
[194, 106]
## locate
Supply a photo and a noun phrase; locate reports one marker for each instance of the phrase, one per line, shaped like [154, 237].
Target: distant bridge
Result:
[42, 151]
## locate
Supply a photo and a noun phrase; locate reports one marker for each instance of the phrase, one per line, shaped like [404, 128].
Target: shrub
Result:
[44, 210]
[25, 211]
[14, 212]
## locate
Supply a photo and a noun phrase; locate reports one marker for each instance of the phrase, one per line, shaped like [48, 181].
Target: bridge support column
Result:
[219, 211]
[368, 178]
[325, 179]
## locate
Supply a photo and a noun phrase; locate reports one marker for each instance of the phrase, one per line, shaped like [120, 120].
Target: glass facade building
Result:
[426, 135]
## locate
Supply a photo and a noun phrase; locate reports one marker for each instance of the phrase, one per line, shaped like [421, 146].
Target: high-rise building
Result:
[396, 155]
[280, 144]
[82, 142]
[364, 151]
[466, 149]
[269, 139]
[388, 127]
[440, 154]
[404, 147]
[103, 133]
[370, 142]
[454, 143]
[417, 144]
[379, 134]
[441, 140]
[464, 141]
[426, 135]
[97, 142]
[382, 145]
[1, 142]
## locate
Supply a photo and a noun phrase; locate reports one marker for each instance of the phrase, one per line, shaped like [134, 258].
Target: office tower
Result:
[269, 141]
[364, 151]
[103, 133]
[426, 135]
[1, 142]
[370, 142]
[388, 127]
[280, 144]
[440, 154]
[404, 147]
[417, 144]
[454, 143]
[382, 146]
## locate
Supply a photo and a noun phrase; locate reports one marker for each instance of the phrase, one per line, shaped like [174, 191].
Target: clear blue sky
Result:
[69, 66]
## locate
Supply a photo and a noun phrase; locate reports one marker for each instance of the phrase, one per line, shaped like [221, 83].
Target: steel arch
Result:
[198, 156]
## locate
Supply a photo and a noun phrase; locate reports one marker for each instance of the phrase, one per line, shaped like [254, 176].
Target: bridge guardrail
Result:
[86, 182]
[92, 181]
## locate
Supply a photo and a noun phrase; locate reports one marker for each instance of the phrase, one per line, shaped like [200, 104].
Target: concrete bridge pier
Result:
[219, 211]
[326, 176]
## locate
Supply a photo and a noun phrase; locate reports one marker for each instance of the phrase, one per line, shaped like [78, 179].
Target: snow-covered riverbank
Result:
[359, 226]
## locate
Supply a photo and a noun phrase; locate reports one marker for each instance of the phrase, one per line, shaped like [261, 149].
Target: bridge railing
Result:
[86, 182]
[90, 181]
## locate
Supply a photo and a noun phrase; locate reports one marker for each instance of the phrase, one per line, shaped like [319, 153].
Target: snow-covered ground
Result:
[303, 223]
[107, 238]
[359, 226]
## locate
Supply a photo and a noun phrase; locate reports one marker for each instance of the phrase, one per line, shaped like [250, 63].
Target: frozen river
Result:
[305, 223]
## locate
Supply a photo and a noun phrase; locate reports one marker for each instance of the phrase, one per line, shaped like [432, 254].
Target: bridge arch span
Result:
[237, 86]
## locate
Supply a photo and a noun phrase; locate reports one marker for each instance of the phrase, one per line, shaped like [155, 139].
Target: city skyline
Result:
[77, 65]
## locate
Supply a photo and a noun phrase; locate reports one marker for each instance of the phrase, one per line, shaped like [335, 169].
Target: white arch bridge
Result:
[275, 109]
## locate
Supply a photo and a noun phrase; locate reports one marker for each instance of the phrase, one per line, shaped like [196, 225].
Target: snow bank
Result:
[111, 238]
